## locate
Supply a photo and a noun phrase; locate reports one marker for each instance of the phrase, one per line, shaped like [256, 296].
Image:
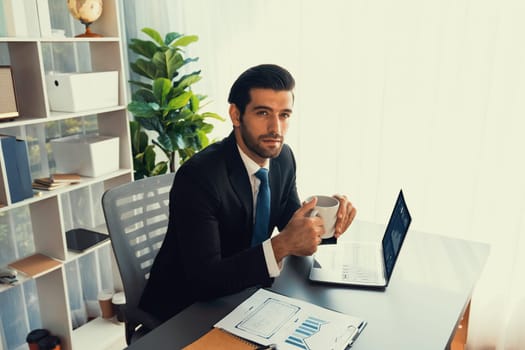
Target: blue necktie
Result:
[262, 209]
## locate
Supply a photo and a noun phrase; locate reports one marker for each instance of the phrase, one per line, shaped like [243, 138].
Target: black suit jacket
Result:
[207, 250]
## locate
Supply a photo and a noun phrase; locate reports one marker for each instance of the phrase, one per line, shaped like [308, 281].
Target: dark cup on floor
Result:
[50, 342]
[34, 336]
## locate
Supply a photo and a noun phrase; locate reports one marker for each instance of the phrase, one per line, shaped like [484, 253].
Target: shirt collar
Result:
[250, 165]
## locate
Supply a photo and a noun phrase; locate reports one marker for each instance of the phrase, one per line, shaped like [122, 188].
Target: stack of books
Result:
[55, 181]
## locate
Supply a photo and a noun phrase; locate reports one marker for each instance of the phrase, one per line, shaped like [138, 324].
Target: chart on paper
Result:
[306, 329]
[269, 318]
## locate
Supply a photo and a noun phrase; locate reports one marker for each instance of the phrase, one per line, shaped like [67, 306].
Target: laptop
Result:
[367, 264]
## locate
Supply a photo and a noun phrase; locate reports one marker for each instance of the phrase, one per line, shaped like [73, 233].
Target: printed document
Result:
[269, 318]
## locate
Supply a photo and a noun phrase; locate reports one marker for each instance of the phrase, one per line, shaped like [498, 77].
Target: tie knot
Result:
[262, 174]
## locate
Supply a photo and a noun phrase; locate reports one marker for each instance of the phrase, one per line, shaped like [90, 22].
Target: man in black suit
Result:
[208, 250]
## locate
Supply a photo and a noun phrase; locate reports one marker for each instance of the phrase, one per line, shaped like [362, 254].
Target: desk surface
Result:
[429, 290]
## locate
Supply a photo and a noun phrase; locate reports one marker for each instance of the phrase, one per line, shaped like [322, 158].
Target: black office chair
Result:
[137, 218]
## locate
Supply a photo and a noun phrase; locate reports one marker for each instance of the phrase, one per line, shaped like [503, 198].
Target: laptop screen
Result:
[396, 231]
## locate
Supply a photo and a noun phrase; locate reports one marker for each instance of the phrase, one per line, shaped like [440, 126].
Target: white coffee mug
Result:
[326, 208]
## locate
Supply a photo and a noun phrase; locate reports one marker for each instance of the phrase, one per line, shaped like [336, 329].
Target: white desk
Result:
[430, 288]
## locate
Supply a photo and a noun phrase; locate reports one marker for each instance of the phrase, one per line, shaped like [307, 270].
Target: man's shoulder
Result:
[209, 158]
[286, 156]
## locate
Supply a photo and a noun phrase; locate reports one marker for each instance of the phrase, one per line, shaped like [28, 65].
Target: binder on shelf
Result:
[16, 165]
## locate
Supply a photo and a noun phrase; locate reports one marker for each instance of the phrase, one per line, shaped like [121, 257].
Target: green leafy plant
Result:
[163, 101]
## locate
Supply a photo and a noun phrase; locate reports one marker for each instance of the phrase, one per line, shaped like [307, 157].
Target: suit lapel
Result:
[275, 188]
[238, 175]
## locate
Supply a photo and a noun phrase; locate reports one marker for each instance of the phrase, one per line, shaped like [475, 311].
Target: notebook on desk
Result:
[367, 264]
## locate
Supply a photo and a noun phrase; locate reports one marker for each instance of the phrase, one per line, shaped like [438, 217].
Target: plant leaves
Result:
[173, 62]
[160, 168]
[207, 128]
[189, 80]
[184, 41]
[194, 103]
[149, 158]
[145, 68]
[141, 109]
[143, 95]
[161, 89]
[165, 141]
[189, 60]
[175, 115]
[140, 84]
[151, 124]
[167, 63]
[212, 115]
[143, 47]
[170, 37]
[153, 34]
[179, 101]
[134, 128]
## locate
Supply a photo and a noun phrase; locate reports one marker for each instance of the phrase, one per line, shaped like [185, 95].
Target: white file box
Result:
[86, 155]
[75, 92]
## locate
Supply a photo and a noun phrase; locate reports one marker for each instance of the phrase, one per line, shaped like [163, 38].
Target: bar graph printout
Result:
[270, 318]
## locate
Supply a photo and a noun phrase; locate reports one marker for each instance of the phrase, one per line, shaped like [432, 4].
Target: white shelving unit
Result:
[26, 57]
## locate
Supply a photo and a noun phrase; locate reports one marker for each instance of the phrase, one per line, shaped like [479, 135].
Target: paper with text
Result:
[270, 318]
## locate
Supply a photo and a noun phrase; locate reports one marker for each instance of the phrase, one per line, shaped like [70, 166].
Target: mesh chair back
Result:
[137, 218]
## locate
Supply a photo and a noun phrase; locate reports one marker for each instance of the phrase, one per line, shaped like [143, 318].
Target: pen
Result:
[267, 347]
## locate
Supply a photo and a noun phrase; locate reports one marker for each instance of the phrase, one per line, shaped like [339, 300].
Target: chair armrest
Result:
[137, 316]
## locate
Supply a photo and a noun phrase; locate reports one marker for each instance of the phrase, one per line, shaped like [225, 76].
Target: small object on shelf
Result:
[58, 33]
[47, 184]
[119, 303]
[80, 239]
[106, 307]
[8, 104]
[35, 265]
[76, 92]
[55, 181]
[35, 336]
[86, 155]
[87, 12]
[68, 178]
[51, 342]
[8, 275]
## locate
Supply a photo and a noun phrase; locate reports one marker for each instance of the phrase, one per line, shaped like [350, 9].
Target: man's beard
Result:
[253, 145]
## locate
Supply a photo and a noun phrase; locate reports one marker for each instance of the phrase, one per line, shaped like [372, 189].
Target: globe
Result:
[87, 12]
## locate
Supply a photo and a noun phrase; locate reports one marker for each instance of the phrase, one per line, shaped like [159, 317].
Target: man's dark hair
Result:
[264, 76]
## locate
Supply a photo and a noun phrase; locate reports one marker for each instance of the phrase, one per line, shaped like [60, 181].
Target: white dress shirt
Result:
[252, 168]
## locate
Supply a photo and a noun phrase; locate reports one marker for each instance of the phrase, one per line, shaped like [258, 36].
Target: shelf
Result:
[41, 221]
[56, 116]
[35, 265]
[21, 278]
[9, 39]
[99, 334]
[72, 255]
[84, 182]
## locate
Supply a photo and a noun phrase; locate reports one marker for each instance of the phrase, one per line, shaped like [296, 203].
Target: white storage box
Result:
[86, 155]
[74, 92]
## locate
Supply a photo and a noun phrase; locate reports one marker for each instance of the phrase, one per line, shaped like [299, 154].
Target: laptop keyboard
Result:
[362, 261]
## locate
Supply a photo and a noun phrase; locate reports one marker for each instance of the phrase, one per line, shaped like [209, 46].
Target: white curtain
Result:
[424, 95]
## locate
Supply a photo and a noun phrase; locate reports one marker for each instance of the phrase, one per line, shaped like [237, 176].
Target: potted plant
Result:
[163, 102]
